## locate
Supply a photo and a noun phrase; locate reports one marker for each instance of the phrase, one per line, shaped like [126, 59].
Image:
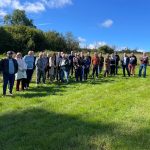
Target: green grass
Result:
[105, 114]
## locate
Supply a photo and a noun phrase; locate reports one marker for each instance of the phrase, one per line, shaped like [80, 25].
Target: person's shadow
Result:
[38, 129]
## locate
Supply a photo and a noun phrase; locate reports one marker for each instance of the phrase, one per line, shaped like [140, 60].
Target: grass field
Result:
[103, 114]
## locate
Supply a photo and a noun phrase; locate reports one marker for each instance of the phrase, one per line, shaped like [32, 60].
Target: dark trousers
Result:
[71, 68]
[22, 81]
[86, 73]
[100, 68]
[112, 70]
[29, 77]
[125, 68]
[40, 74]
[95, 69]
[8, 78]
[106, 72]
[116, 69]
[78, 74]
[57, 73]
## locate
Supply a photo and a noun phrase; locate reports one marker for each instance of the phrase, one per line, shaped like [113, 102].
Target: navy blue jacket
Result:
[4, 66]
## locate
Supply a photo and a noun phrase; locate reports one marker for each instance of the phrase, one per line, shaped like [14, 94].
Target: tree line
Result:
[20, 34]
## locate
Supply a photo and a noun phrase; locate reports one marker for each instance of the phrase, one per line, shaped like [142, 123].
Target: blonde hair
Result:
[40, 54]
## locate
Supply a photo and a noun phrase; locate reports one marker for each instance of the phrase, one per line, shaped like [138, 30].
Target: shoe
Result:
[4, 95]
[10, 94]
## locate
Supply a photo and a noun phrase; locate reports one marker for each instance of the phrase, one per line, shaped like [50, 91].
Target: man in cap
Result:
[9, 68]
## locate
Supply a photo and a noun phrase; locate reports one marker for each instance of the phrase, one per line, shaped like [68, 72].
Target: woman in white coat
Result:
[21, 75]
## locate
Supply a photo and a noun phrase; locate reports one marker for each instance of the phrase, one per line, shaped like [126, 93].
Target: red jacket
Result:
[95, 60]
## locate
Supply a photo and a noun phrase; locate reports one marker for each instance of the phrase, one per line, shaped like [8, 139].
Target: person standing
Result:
[117, 62]
[30, 61]
[46, 62]
[101, 62]
[112, 65]
[71, 57]
[52, 66]
[58, 59]
[125, 62]
[40, 69]
[132, 64]
[78, 67]
[9, 68]
[64, 68]
[95, 63]
[144, 62]
[87, 63]
[107, 66]
[21, 74]
[82, 64]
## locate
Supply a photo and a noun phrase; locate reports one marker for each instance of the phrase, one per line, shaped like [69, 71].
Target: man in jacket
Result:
[125, 62]
[9, 68]
[117, 62]
[95, 63]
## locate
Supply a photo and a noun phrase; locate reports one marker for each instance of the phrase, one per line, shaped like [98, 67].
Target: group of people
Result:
[61, 66]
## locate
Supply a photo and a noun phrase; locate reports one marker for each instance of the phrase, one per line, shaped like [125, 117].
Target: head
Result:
[125, 55]
[115, 53]
[18, 55]
[132, 54]
[112, 55]
[10, 54]
[40, 55]
[71, 52]
[95, 54]
[101, 54]
[144, 54]
[108, 56]
[63, 55]
[78, 55]
[88, 53]
[54, 55]
[44, 54]
[30, 53]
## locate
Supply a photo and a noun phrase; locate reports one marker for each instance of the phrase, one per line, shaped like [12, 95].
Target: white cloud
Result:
[2, 13]
[34, 7]
[107, 23]
[81, 40]
[15, 4]
[5, 3]
[57, 3]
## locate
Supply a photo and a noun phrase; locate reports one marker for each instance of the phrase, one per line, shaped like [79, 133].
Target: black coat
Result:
[4, 66]
[127, 61]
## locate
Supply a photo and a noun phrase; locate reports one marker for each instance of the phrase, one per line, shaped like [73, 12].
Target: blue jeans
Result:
[64, 73]
[8, 78]
[142, 67]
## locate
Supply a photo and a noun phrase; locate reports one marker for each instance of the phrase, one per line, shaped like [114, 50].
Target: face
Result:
[9, 55]
[18, 56]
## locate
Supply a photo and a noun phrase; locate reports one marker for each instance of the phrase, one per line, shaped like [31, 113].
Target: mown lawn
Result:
[105, 114]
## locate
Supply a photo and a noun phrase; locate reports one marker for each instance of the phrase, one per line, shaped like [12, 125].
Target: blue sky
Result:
[94, 22]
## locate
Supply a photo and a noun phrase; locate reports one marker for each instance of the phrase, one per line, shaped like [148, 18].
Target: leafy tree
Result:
[72, 42]
[18, 17]
[106, 49]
